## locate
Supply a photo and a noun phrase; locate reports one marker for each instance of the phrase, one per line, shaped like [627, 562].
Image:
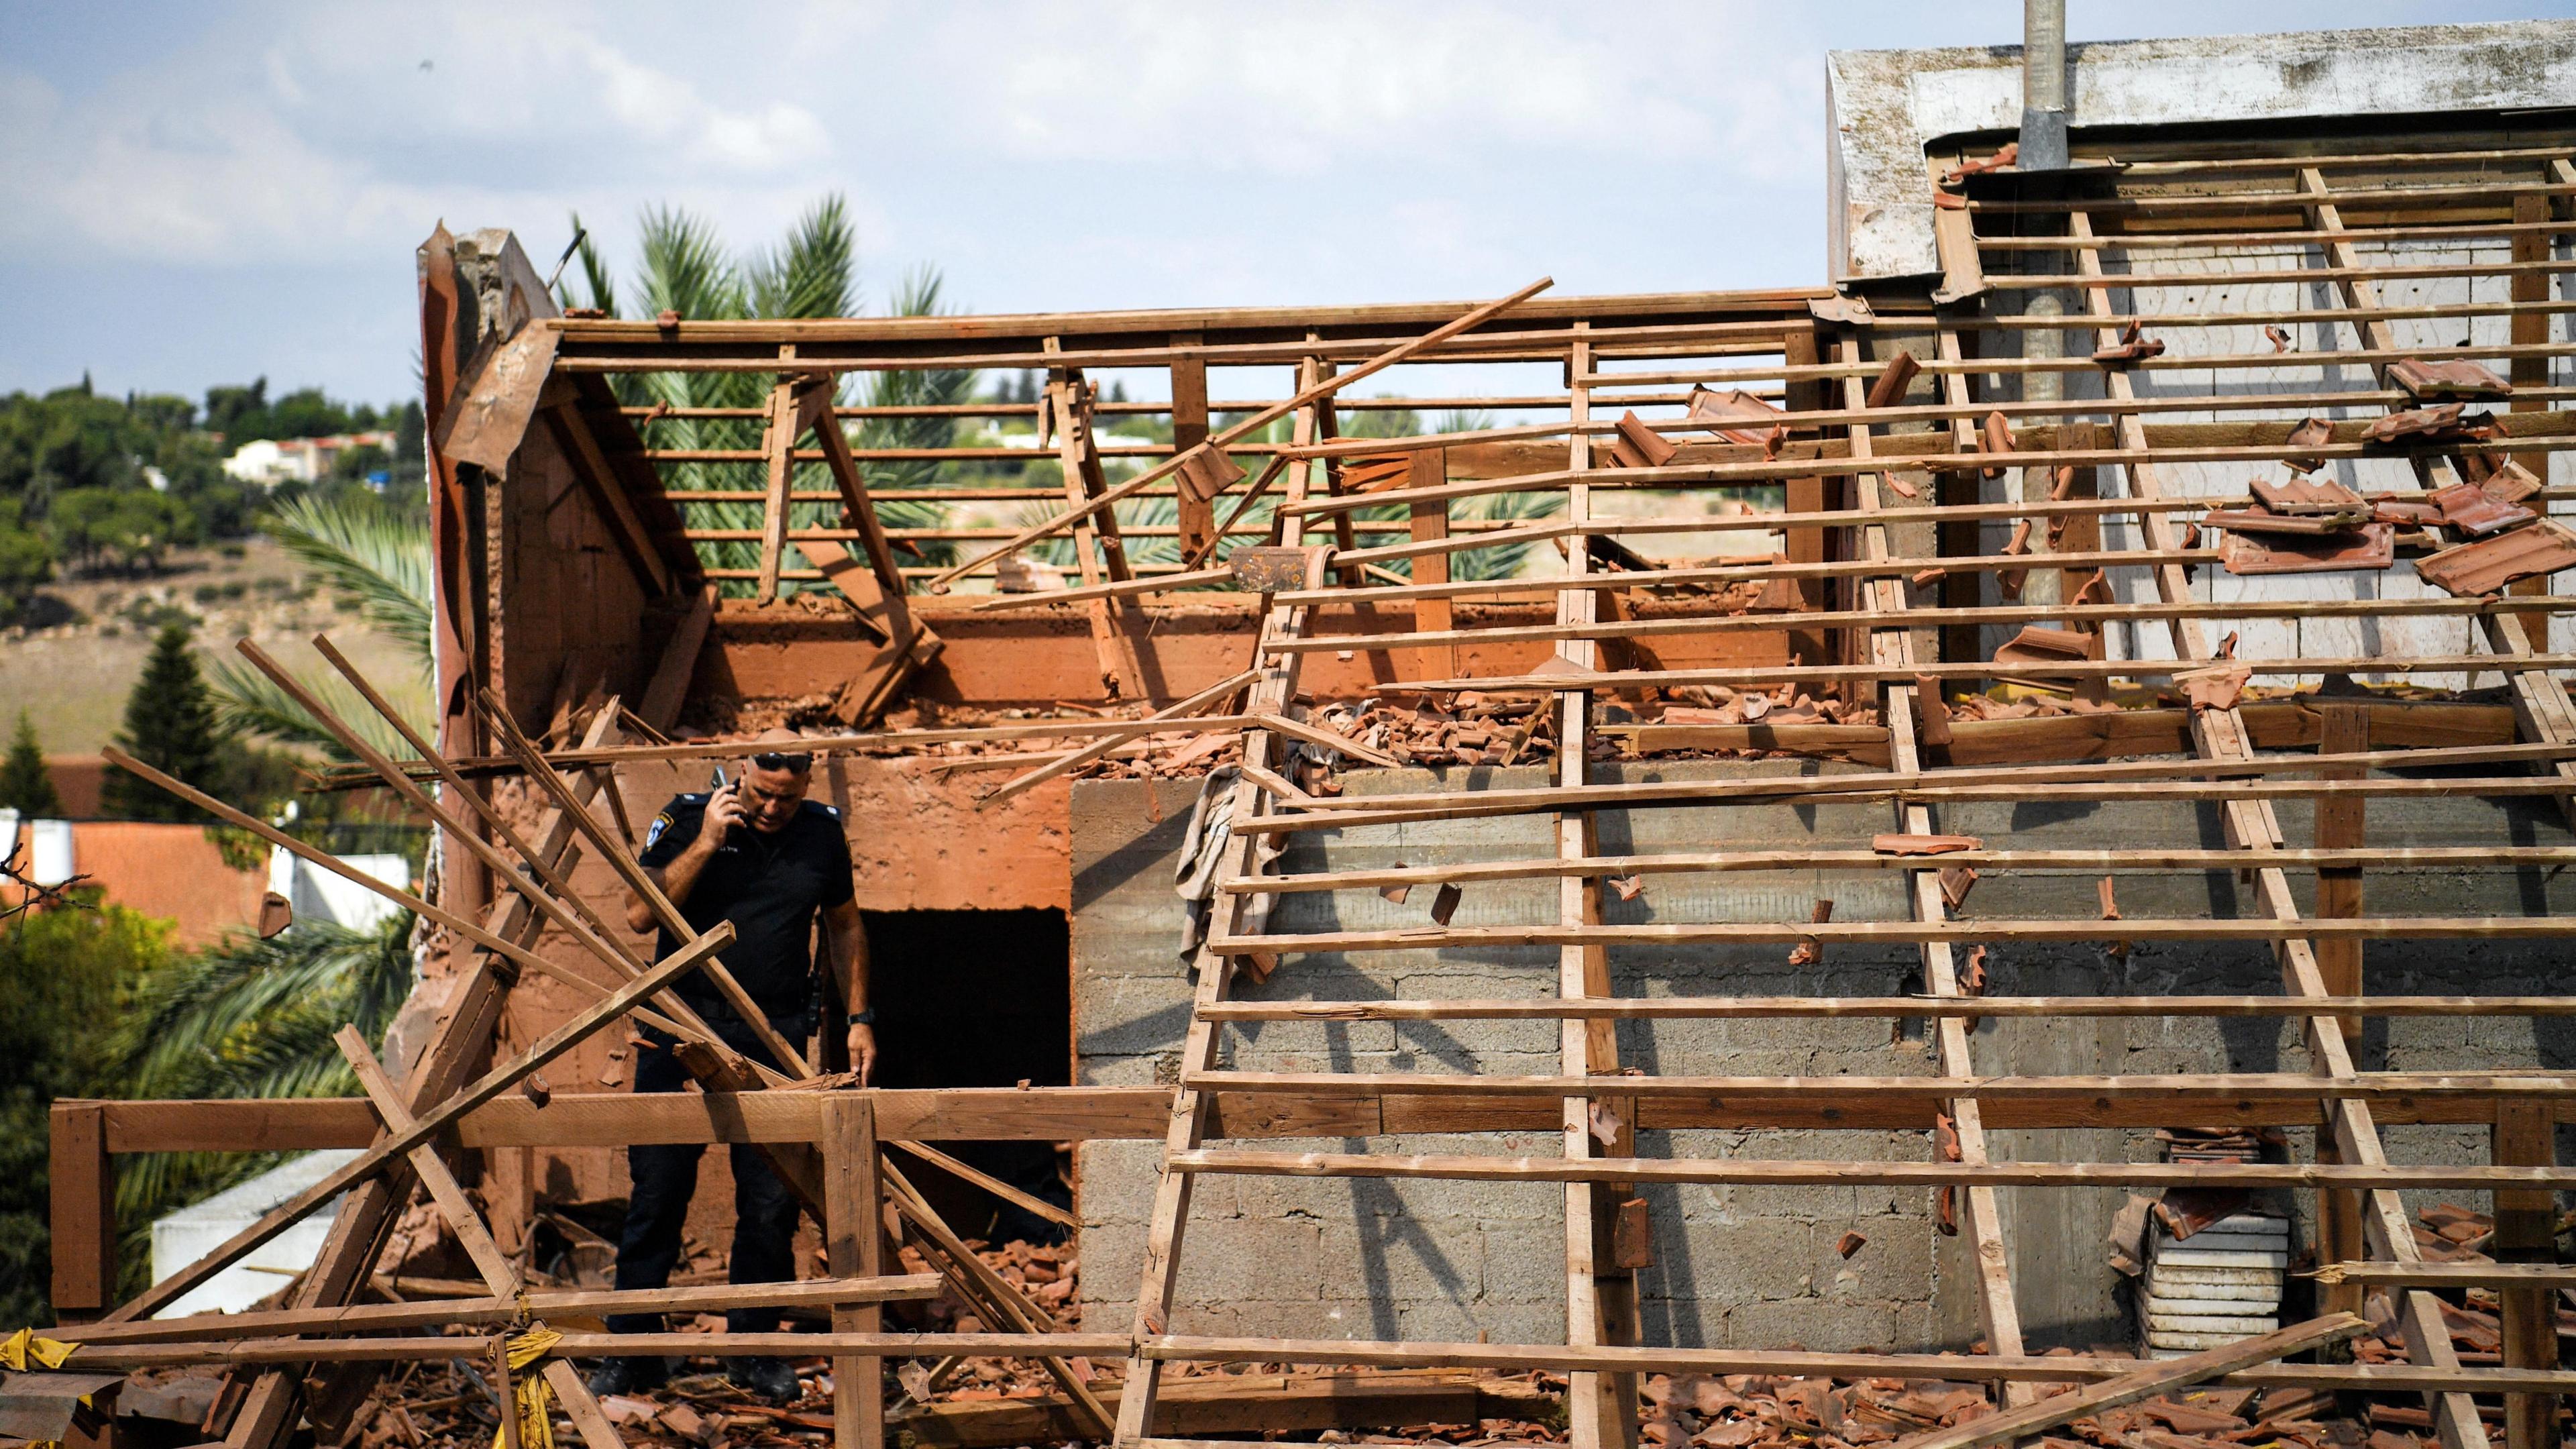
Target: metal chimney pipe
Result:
[2043, 85]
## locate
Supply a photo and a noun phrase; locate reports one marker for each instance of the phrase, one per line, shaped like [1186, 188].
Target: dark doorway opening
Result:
[977, 999]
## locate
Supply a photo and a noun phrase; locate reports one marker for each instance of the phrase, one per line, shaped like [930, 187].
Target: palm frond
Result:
[232, 1020]
[1505, 560]
[685, 269]
[1380, 422]
[247, 701]
[813, 272]
[380, 559]
[252, 1018]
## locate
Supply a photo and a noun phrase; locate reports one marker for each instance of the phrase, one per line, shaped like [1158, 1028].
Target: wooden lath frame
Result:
[2219, 733]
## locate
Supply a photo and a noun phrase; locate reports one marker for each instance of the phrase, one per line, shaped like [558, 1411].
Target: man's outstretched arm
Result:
[850, 954]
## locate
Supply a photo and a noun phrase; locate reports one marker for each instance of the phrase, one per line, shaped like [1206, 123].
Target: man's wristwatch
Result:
[864, 1018]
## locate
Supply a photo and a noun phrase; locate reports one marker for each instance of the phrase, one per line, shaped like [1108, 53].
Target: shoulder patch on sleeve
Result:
[653, 832]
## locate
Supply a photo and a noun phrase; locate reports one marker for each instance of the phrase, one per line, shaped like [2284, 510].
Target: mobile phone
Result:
[717, 785]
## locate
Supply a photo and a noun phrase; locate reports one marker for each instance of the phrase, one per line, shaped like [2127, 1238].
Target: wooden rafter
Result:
[1978, 1216]
[2221, 734]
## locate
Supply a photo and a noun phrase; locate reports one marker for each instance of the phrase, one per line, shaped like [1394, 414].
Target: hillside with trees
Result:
[93, 484]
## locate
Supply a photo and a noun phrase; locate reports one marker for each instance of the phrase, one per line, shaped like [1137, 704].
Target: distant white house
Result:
[271, 461]
[317, 895]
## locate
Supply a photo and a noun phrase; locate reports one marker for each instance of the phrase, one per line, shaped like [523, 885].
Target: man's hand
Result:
[863, 1050]
[724, 812]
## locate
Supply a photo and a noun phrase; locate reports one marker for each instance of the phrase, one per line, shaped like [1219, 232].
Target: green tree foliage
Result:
[94, 483]
[64, 972]
[247, 414]
[127, 528]
[170, 725]
[26, 786]
[26, 560]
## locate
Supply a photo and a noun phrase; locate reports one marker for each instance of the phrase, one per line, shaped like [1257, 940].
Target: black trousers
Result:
[665, 1176]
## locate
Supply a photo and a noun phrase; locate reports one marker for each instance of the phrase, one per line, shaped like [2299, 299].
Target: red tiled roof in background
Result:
[170, 871]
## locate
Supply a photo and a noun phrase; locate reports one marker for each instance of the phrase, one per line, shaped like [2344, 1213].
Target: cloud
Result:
[336, 140]
[1352, 87]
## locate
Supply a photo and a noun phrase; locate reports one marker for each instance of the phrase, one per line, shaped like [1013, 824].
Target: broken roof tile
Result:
[2442, 423]
[2218, 687]
[1729, 409]
[2412, 512]
[1891, 381]
[2307, 499]
[2310, 433]
[2500, 474]
[2372, 546]
[2132, 347]
[1639, 446]
[1269, 570]
[2458, 377]
[2008, 154]
[1206, 472]
[2476, 512]
[2489, 564]
[2039, 644]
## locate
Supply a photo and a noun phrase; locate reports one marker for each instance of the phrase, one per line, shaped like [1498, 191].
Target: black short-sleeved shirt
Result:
[769, 886]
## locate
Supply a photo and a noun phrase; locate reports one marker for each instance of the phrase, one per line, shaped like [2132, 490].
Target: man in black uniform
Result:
[759, 854]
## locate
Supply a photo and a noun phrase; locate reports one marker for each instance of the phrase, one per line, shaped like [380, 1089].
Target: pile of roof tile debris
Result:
[2469, 538]
[961, 1404]
[1744, 1411]
[988, 1404]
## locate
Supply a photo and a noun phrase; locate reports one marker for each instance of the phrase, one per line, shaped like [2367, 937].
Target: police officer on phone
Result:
[757, 853]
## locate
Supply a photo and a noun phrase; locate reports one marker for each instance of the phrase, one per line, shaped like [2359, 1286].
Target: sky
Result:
[193, 195]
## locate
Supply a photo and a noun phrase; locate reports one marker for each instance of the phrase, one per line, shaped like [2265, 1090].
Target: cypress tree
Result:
[26, 786]
[169, 725]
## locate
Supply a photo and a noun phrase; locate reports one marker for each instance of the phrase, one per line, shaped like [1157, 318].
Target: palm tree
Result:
[917, 296]
[684, 268]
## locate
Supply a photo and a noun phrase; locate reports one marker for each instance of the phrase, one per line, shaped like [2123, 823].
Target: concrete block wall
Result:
[1735, 1266]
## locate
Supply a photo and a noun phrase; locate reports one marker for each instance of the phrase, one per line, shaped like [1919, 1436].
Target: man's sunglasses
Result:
[798, 763]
